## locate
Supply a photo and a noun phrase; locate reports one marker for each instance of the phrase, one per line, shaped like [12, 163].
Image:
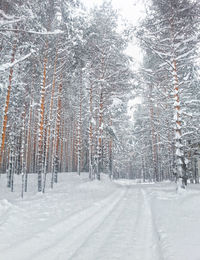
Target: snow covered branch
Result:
[33, 32]
[8, 65]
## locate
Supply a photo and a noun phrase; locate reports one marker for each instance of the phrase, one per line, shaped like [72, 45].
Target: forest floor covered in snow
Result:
[84, 220]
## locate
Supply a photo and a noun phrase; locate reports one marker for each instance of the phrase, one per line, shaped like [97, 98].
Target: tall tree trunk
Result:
[55, 156]
[178, 133]
[41, 125]
[22, 153]
[5, 118]
[10, 163]
[177, 114]
[110, 154]
[61, 149]
[91, 134]
[28, 148]
[47, 153]
[79, 141]
[153, 137]
[100, 132]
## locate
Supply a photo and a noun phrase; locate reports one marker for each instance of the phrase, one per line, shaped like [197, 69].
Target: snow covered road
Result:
[126, 233]
[83, 220]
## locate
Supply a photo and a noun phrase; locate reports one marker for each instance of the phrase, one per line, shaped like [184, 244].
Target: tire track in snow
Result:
[147, 240]
[69, 243]
[32, 248]
[100, 238]
[112, 243]
[58, 225]
[120, 237]
[165, 243]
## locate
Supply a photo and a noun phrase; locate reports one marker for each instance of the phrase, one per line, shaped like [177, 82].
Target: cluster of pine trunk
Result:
[58, 110]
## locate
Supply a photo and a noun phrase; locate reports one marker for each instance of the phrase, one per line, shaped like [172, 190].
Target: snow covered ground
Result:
[83, 220]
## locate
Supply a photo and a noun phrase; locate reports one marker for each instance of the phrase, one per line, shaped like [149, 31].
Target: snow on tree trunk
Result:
[23, 170]
[110, 153]
[28, 147]
[55, 158]
[41, 126]
[100, 136]
[178, 134]
[5, 118]
[49, 130]
[153, 137]
[79, 141]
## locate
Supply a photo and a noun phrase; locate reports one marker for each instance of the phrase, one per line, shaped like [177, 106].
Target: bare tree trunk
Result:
[41, 126]
[22, 153]
[177, 115]
[28, 147]
[46, 159]
[178, 134]
[79, 141]
[153, 137]
[100, 132]
[5, 118]
[110, 154]
[54, 176]
[91, 134]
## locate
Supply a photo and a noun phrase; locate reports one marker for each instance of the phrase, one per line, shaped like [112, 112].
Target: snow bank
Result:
[177, 221]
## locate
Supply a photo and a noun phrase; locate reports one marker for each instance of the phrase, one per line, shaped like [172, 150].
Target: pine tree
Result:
[169, 32]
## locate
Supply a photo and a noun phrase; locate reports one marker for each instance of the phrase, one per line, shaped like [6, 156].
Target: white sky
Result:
[131, 10]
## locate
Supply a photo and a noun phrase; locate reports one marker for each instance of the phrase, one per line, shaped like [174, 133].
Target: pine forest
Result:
[67, 84]
[99, 129]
